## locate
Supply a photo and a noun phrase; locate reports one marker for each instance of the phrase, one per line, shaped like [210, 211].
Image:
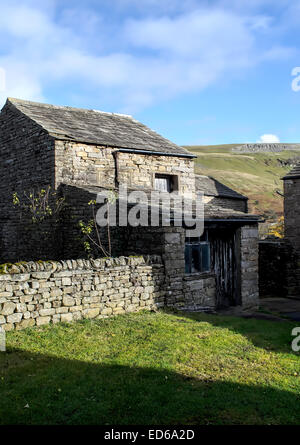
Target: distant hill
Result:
[253, 172]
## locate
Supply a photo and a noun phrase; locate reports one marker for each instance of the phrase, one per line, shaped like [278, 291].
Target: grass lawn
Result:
[152, 368]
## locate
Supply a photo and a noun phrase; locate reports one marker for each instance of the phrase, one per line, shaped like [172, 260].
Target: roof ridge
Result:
[16, 101]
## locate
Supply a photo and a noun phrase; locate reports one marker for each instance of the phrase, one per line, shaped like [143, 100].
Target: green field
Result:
[256, 175]
[152, 368]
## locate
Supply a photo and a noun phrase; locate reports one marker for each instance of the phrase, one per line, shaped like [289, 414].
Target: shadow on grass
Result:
[41, 389]
[267, 334]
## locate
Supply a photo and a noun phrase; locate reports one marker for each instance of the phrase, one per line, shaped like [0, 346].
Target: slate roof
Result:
[211, 212]
[96, 127]
[219, 213]
[293, 174]
[212, 187]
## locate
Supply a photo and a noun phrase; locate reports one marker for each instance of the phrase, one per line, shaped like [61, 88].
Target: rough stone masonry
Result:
[34, 294]
[292, 230]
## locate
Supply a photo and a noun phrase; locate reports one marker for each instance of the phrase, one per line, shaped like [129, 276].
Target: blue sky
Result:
[198, 72]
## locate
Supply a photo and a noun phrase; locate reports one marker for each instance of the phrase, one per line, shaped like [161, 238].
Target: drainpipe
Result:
[116, 161]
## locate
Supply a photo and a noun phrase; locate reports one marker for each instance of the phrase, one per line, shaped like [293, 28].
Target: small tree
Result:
[92, 236]
[40, 212]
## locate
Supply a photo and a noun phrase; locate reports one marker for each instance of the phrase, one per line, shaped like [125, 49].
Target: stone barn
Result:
[80, 153]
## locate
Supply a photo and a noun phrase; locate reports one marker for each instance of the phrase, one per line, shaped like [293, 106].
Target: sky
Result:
[196, 71]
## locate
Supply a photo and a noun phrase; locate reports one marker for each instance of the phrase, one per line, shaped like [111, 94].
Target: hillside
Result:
[256, 175]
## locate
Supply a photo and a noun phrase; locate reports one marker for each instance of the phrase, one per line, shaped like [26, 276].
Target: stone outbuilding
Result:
[80, 153]
[218, 194]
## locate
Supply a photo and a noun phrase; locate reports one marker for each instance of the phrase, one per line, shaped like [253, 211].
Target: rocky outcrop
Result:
[265, 148]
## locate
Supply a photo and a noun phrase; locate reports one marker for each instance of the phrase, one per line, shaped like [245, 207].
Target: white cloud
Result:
[195, 34]
[146, 60]
[269, 139]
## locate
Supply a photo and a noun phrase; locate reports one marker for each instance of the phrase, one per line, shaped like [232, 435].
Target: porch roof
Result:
[211, 212]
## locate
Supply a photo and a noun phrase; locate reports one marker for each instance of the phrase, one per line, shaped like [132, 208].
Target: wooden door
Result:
[224, 264]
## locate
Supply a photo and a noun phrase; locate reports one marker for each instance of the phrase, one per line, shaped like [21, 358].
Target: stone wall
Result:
[249, 265]
[292, 234]
[273, 260]
[41, 293]
[198, 291]
[292, 212]
[124, 240]
[81, 164]
[192, 291]
[184, 291]
[37, 293]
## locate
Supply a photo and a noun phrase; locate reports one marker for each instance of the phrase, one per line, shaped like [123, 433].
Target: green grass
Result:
[256, 175]
[152, 368]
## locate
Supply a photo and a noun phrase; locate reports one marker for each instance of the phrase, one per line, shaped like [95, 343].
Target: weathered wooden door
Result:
[224, 263]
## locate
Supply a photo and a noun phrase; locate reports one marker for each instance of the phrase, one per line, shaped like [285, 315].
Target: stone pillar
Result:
[249, 266]
[173, 256]
[292, 211]
[292, 229]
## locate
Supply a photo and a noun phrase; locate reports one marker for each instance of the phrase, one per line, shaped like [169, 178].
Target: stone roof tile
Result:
[96, 127]
[212, 187]
[293, 174]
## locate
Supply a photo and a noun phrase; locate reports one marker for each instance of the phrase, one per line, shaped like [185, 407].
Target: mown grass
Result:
[151, 368]
[256, 175]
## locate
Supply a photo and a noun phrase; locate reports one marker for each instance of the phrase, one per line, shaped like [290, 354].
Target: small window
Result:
[197, 254]
[166, 183]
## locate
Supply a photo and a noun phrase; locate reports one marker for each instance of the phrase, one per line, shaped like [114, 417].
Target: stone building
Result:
[292, 230]
[216, 193]
[82, 152]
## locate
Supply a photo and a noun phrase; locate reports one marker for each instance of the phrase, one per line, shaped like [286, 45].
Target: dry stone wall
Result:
[37, 293]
